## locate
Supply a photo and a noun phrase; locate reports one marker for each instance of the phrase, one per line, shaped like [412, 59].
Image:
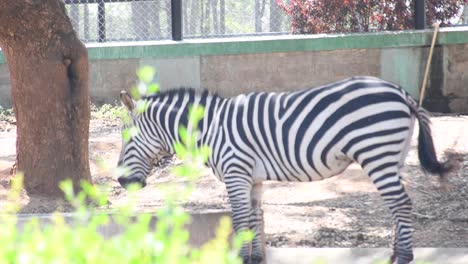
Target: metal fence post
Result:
[176, 13]
[102, 21]
[420, 14]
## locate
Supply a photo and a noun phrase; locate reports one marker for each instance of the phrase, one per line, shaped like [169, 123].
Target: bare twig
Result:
[458, 219]
[423, 216]
[453, 219]
[425, 192]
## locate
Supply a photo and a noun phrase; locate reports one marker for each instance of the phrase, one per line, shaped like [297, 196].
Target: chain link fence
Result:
[136, 20]
[226, 18]
[120, 20]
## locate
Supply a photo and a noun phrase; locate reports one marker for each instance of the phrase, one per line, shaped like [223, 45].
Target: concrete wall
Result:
[285, 63]
[5, 100]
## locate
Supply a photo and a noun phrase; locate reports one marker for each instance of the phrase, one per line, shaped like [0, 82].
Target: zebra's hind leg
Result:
[386, 178]
[239, 192]
[257, 225]
[401, 215]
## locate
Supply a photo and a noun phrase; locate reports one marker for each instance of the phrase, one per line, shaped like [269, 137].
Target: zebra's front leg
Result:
[257, 225]
[239, 192]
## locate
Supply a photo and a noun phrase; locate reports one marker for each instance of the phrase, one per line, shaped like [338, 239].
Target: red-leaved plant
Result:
[334, 16]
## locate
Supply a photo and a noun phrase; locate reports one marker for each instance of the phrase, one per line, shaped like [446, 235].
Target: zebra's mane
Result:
[180, 91]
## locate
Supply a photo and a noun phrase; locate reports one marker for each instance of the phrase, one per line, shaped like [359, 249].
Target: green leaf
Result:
[196, 114]
[153, 88]
[146, 74]
[67, 188]
[135, 93]
[142, 89]
[320, 261]
[120, 171]
[183, 134]
[180, 150]
[141, 106]
[127, 118]
[129, 133]
[181, 171]
[204, 152]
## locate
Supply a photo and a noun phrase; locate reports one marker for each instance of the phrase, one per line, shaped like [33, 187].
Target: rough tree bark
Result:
[49, 86]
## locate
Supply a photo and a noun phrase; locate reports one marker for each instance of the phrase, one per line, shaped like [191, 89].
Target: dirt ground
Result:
[344, 211]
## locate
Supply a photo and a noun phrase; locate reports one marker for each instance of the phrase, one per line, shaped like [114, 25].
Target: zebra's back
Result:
[314, 134]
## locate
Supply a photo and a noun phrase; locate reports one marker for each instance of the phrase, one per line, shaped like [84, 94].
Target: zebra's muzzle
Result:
[127, 181]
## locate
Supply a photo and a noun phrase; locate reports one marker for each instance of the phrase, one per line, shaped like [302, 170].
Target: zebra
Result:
[300, 136]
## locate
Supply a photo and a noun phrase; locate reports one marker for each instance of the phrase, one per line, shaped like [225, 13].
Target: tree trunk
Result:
[49, 86]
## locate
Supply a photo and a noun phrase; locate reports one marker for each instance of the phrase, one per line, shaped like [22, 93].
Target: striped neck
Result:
[169, 111]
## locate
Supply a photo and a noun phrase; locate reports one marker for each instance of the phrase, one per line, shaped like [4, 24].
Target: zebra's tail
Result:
[426, 151]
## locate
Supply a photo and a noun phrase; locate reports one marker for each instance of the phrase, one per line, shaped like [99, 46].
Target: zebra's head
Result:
[137, 155]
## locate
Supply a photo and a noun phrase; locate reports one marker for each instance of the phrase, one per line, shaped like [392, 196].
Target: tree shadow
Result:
[359, 218]
[347, 221]
[37, 204]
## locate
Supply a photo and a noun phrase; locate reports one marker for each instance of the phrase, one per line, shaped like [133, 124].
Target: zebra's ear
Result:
[127, 100]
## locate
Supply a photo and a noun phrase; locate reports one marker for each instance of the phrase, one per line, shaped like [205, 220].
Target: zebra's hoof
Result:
[127, 181]
[399, 261]
[402, 259]
[256, 259]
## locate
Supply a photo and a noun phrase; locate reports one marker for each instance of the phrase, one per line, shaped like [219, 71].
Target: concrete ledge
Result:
[202, 229]
[362, 255]
[272, 44]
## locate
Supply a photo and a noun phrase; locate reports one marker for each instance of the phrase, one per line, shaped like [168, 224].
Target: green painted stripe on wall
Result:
[272, 44]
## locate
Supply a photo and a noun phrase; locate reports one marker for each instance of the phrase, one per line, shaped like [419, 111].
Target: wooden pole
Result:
[428, 64]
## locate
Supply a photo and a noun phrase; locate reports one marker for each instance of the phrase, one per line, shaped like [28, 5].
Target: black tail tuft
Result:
[426, 151]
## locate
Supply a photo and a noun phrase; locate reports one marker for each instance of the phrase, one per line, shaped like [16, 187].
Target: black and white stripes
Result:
[306, 135]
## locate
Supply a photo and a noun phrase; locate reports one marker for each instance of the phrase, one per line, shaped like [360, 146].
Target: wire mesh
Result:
[225, 18]
[120, 20]
[139, 20]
